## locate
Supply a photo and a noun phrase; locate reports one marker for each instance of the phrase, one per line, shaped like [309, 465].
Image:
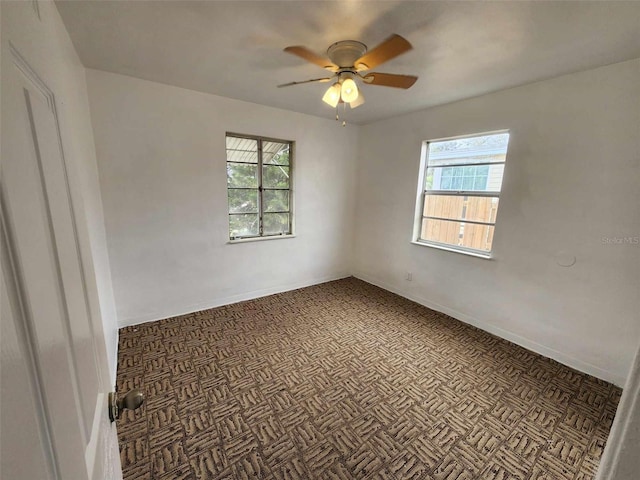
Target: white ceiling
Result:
[461, 49]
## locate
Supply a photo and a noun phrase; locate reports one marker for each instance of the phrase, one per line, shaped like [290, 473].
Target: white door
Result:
[54, 380]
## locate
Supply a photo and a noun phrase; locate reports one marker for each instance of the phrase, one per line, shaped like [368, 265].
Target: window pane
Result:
[245, 225]
[494, 178]
[242, 156]
[275, 223]
[476, 209]
[275, 176]
[275, 153]
[242, 175]
[242, 150]
[243, 201]
[481, 178]
[468, 235]
[276, 200]
[483, 149]
[443, 206]
[481, 209]
[480, 183]
[478, 237]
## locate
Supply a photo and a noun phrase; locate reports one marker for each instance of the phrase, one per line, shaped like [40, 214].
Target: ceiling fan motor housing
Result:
[345, 53]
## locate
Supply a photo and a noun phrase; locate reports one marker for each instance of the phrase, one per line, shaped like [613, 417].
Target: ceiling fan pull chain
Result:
[344, 122]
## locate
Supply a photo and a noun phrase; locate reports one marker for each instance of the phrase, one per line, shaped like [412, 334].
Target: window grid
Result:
[241, 156]
[455, 217]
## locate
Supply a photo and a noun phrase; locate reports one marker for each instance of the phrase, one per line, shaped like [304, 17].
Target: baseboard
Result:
[568, 360]
[126, 322]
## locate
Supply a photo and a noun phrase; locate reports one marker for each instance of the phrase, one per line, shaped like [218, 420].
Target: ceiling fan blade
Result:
[389, 80]
[321, 80]
[392, 47]
[310, 56]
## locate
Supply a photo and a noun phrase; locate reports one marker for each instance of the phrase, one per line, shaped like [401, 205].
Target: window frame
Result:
[423, 191]
[261, 235]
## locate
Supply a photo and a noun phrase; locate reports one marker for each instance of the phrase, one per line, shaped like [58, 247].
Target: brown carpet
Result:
[347, 381]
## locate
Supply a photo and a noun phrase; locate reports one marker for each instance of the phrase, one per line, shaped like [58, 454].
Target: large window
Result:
[461, 180]
[259, 186]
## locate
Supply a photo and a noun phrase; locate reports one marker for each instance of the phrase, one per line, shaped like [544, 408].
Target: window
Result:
[461, 180]
[258, 186]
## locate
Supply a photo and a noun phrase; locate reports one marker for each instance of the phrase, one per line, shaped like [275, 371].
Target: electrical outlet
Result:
[409, 276]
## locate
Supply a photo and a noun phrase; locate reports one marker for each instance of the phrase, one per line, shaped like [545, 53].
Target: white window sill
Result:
[484, 256]
[260, 239]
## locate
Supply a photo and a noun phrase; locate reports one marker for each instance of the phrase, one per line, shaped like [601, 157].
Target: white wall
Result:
[571, 179]
[41, 37]
[161, 157]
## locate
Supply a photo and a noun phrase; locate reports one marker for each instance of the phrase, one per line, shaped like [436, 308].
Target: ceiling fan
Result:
[349, 61]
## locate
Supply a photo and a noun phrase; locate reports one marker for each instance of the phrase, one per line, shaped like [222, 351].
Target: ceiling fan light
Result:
[332, 95]
[349, 90]
[358, 101]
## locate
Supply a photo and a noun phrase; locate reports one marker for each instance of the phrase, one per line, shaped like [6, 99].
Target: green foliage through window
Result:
[259, 186]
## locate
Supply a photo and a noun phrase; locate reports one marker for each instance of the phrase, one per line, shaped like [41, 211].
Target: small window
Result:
[259, 186]
[461, 180]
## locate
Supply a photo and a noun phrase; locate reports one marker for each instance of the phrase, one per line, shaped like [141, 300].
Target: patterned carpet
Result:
[347, 381]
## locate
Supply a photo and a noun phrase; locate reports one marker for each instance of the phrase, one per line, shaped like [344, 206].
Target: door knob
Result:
[132, 400]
